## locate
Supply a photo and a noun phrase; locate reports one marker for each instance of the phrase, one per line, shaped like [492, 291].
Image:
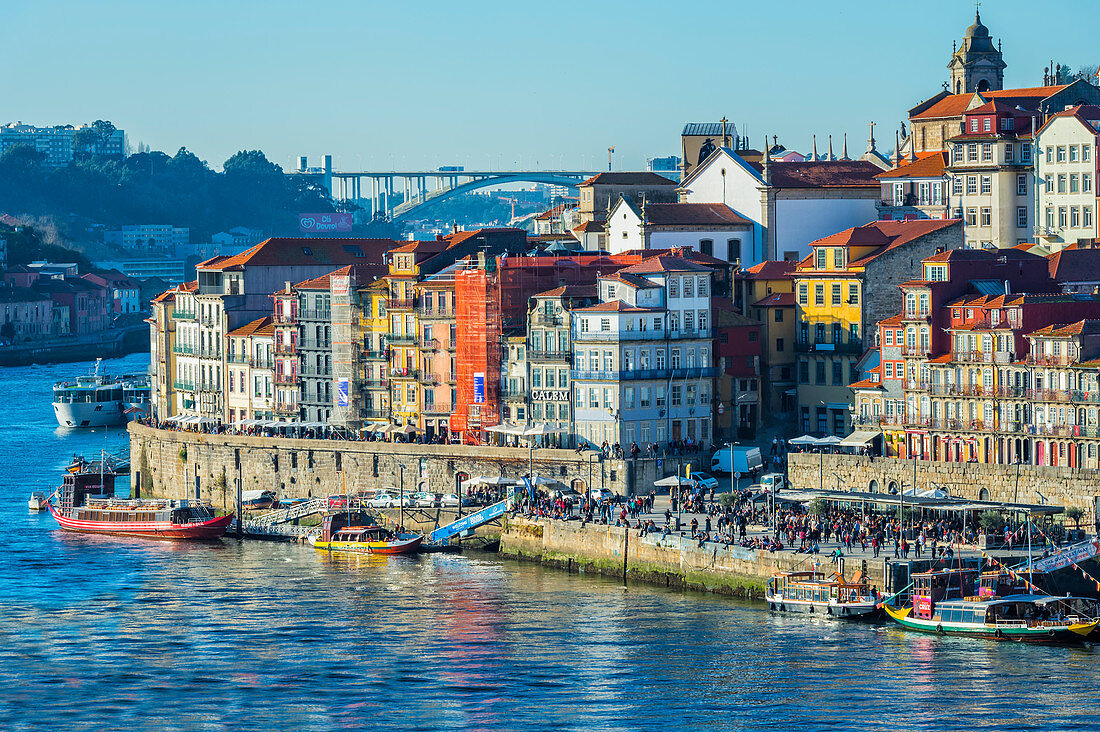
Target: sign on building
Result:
[324, 223]
[479, 388]
[341, 392]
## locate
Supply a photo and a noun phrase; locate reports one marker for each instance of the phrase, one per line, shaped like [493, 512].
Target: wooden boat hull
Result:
[1041, 633]
[408, 544]
[213, 528]
[831, 609]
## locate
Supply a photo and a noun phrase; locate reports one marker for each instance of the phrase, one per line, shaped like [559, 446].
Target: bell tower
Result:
[977, 66]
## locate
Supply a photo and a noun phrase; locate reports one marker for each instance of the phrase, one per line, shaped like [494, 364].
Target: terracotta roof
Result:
[693, 214]
[165, 296]
[892, 320]
[664, 263]
[885, 235]
[866, 384]
[1075, 265]
[323, 282]
[771, 270]
[1086, 113]
[627, 178]
[927, 165]
[589, 227]
[291, 251]
[953, 105]
[1086, 326]
[253, 328]
[957, 255]
[569, 291]
[822, 174]
[616, 306]
[555, 211]
[632, 280]
[776, 300]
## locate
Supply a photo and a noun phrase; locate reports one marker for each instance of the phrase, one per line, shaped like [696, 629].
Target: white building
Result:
[1067, 145]
[149, 237]
[789, 203]
[642, 356]
[56, 143]
[249, 374]
[714, 229]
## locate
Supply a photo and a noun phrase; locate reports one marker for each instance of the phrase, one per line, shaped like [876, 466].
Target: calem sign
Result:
[324, 223]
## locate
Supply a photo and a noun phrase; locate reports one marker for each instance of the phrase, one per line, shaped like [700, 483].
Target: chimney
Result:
[1008, 289]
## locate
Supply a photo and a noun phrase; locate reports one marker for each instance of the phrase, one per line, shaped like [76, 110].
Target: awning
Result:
[858, 439]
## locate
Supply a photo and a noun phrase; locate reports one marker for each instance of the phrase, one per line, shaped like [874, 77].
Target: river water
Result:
[102, 633]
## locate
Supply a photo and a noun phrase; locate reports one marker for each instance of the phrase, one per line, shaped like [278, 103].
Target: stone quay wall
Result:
[671, 561]
[168, 462]
[1059, 486]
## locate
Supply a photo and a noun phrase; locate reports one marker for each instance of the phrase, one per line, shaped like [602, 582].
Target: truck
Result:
[771, 483]
[736, 459]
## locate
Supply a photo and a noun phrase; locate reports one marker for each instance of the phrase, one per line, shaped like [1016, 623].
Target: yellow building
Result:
[848, 284]
[374, 330]
[767, 295]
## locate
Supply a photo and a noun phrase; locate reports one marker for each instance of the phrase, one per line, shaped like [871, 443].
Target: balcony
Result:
[1064, 395]
[289, 379]
[368, 355]
[427, 344]
[286, 408]
[212, 353]
[602, 336]
[548, 321]
[646, 374]
[827, 348]
[183, 385]
[184, 350]
[183, 315]
[975, 390]
[436, 313]
[555, 356]
[400, 303]
[398, 373]
[237, 358]
[210, 388]
[375, 384]
[312, 344]
[374, 413]
[438, 408]
[1065, 359]
[280, 319]
[209, 321]
[286, 349]
[914, 350]
[261, 363]
[401, 339]
[428, 378]
[322, 314]
[1003, 357]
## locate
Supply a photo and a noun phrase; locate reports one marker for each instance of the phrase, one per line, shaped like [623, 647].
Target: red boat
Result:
[87, 505]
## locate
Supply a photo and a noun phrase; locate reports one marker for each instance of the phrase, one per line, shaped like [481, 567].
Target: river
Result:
[100, 633]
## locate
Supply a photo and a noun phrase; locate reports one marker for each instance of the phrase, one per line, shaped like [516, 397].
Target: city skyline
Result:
[300, 86]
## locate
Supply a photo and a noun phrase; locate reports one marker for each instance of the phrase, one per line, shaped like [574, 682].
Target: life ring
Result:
[1050, 634]
[939, 629]
[998, 633]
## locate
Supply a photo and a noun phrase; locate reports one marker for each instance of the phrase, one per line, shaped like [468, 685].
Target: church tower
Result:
[978, 65]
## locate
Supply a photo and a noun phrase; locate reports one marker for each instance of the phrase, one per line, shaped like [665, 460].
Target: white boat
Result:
[100, 400]
[37, 501]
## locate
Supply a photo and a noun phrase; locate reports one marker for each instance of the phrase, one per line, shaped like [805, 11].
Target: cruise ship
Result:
[99, 400]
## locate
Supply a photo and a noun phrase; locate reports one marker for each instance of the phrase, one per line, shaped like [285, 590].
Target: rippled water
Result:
[100, 633]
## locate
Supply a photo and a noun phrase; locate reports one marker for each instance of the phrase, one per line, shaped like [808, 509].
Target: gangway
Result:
[466, 523]
[1072, 554]
[284, 515]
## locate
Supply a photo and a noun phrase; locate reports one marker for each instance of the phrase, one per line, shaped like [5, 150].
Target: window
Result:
[1061, 154]
[1049, 181]
[819, 294]
[605, 324]
[972, 216]
[674, 287]
[957, 185]
[819, 372]
[888, 370]
[1062, 217]
[706, 246]
[584, 325]
[1050, 217]
[853, 334]
[1086, 182]
[734, 248]
[1073, 153]
[838, 373]
[1075, 217]
[987, 151]
[1008, 150]
[1086, 216]
[1021, 217]
[987, 124]
[836, 294]
[703, 286]
[1021, 184]
[838, 258]
[973, 124]
[1073, 183]
[987, 216]
[689, 286]
[1086, 153]
[972, 152]
[779, 345]
[971, 184]
[819, 258]
[803, 294]
[853, 294]
[803, 372]
[986, 184]
[957, 156]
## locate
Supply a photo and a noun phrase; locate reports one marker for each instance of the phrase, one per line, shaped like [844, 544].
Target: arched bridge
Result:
[423, 187]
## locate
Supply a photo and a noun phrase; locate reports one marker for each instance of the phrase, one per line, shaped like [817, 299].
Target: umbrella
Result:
[542, 429]
[830, 441]
[671, 481]
[539, 480]
[484, 480]
[803, 440]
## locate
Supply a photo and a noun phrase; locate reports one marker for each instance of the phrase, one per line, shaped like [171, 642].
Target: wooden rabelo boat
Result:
[86, 504]
[993, 605]
[355, 532]
[816, 593]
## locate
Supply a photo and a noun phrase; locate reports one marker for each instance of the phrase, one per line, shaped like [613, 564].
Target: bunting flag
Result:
[1088, 577]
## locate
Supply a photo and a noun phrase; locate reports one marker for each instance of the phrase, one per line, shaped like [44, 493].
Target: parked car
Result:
[450, 500]
[703, 480]
[422, 499]
[382, 499]
[599, 494]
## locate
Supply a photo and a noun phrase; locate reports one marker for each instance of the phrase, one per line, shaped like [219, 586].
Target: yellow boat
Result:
[336, 536]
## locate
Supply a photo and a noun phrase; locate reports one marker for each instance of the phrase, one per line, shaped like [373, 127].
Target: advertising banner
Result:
[324, 223]
[341, 392]
[479, 388]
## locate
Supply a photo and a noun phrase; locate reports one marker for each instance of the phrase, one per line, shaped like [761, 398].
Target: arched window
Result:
[733, 247]
[983, 494]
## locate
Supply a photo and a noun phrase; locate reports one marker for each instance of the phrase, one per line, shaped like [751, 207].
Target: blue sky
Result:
[409, 85]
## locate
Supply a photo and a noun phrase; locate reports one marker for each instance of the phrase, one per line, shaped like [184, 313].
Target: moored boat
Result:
[37, 501]
[341, 533]
[86, 504]
[100, 400]
[815, 593]
[1031, 618]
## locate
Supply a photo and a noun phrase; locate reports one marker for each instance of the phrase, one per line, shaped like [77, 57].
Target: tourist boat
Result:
[259, 499]
[815, 593]
[1033, 618]
[341, 532]
[993, 605]
[100, 400]
[86, 504]
[37, 501]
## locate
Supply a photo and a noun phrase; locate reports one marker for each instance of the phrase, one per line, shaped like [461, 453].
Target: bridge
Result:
[419, 188]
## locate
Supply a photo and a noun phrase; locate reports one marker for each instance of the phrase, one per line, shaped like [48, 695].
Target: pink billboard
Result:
[324, 223]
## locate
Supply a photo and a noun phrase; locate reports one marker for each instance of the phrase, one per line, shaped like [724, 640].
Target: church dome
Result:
[977, 30]
[977, 38]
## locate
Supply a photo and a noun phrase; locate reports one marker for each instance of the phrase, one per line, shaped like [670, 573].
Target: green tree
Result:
[84, 140]
[991, 522]
[818, 507]
[1075, 514]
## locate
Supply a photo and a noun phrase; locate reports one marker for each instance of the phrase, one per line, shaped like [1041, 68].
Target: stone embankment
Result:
[670, 561]
[1002, 483]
